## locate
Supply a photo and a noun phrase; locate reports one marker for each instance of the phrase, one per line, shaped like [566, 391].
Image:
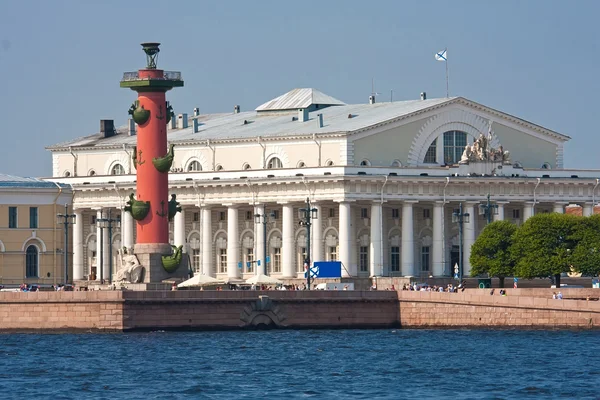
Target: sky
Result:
[61, 61]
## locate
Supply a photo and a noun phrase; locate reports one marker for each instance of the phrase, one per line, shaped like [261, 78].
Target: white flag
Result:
[441, 56]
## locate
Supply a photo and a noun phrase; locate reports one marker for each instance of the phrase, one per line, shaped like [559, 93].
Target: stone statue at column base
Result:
[130, 269]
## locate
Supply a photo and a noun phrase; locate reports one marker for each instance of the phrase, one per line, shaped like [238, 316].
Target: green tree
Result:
[491, 251]
[542, 246]
[585, 257]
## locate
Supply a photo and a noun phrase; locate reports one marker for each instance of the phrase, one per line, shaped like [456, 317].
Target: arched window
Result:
[274, 163]
[301, 164]
[396, 164]
[194, 166]
[67, 174]
[430, 156]
[246, 166]
[365, 163]
[31, 261]
[454, 145]
[219, 167]
[546, 166]
[92, 172]
[117, 169]
[329, 163]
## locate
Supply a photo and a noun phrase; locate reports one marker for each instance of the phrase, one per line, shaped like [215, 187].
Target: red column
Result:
[153, 185]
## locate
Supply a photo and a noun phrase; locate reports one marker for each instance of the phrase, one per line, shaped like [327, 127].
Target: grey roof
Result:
[11, 181]
[299, 98]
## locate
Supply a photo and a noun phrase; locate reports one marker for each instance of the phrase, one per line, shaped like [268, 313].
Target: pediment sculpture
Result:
[481, 151]
[130, 268]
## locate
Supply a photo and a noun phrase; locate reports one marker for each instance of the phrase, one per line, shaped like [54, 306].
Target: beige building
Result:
[385, 179]
[31, 242]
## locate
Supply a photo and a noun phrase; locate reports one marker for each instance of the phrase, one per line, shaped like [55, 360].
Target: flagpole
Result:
[447, 87]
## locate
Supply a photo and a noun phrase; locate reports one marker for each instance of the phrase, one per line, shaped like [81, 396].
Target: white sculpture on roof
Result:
[482, 151]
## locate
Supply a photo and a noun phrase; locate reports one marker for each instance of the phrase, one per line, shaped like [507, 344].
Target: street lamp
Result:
[265, 220]
[66, 219]
[102, 224]
[462, 218]
[306, 215]
[488, 209]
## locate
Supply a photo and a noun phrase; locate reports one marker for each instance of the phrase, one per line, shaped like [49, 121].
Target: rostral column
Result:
[152, 160]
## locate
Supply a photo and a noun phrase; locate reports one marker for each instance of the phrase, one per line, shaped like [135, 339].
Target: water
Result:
[323, 364]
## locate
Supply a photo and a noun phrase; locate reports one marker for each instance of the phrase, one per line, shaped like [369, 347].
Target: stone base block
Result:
[150, 257]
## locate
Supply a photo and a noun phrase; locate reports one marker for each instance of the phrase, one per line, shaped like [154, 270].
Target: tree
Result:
[586, 255]
[542, 246]
[491, 251]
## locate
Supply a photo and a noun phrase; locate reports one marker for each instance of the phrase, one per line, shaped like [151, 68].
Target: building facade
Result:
[31, 243]
[385, 179]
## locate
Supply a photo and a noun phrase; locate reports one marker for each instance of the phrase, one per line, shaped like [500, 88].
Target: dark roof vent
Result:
[107, 127]
[424, 174]
[299, 174]
[574, 176]
[188, 179]
[216, 178]
[546, 176]
[111, 182]
[362, 173]
[327, 173]
[270, 176]
[393, 174]
[243, 177]
[349, 116]
[245, 122]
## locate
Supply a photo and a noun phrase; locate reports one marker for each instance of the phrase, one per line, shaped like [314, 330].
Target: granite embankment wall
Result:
[475, 309]
[148, 310]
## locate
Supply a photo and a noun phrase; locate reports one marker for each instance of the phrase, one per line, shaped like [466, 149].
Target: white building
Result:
[383, 176]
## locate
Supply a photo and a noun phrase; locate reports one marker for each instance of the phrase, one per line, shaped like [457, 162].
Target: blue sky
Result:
[61, 61]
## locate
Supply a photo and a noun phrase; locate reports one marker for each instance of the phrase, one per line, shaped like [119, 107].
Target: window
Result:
[249, 215]
[93, 220]
[33, 217]
[246, 166]
[12, 217]
[516, 214]
[396, 164]
[301, 164]
[222, 260]
[219, 167]
[92, 172]
[426, 213]
[31, 262]
[196, 260]
[274, 163]
[454, 145]
[67, 174]
[364, 213]
[395, 213]
[365, 163]
[275, 214]
[222, 216]
[363, 258]
[196, 217]
[329, 163]
[430, 156]
[395, 256]
[194, 166]
[332, 213]
[276, 264]
[117, 169]
[249, 260]
[302, 260]
[425, 258]
[332, 254]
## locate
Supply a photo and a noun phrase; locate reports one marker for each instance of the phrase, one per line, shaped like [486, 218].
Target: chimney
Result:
[423, 96]
[173, 123]
[320, 120]
[372, 99]
[182, 121]
[236, 109]
[196, 112]
[107, 127]
[303, 115]
[196, 125]
[131, 130]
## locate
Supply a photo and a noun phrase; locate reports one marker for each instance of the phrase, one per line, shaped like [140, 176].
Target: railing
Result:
[167, 75]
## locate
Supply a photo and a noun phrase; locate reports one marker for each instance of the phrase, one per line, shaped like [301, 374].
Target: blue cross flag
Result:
[328, 269]
[441, 55]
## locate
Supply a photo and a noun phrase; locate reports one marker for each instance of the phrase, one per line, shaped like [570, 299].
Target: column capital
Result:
[345, 201]
[411, 202]
[439, 203]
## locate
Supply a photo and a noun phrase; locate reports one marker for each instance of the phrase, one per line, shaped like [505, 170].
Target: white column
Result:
[345, 246]
[259, 243]
[376, 252]
[468, 237]
[500, 216]
[233, 243]
[316, 246]
[408, 247]
[288, 251]
[105, 248]
[99, 252]
[559, 208]
[207, 243]
[588, 209]
[78, 246]
[438, 239]
[179, 229]
[528, 210]
[127, 229]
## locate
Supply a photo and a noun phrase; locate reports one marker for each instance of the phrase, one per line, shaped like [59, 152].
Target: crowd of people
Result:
[449, 288]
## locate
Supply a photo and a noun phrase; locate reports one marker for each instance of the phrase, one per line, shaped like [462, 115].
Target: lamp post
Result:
[488, 209]
[107, 223]
[460, 217]
[257, 220]
[307, 214]
[66, 219]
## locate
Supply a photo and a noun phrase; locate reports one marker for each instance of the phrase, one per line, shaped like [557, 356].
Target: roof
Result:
[299, 98]
[11, 181]
[339, 120]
